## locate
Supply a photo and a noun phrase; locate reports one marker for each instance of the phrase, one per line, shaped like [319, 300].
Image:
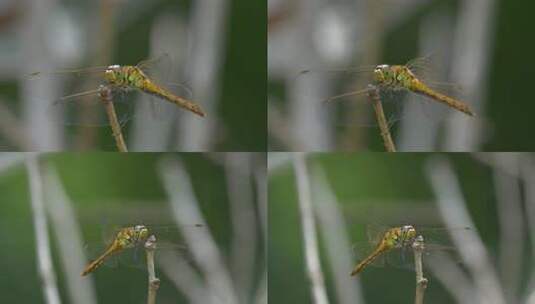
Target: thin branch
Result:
[381, 119]
[107, 99]
[44, 256]
[315, 275]
[421, 282]
[154, 282]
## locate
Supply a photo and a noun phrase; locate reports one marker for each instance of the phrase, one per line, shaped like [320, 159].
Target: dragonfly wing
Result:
[87, 109]
[375, 232]
[401, 258]
[84, 74]
[441, 235]
[161, 71]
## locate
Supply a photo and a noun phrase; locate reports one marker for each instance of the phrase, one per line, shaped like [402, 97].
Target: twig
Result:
[380, 115]
[421, 282]
[315, 275]
[154, 282]
[106, 97]
[44, 256]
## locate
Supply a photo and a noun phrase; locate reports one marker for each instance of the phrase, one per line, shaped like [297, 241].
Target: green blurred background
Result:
[217, 50]
[116, 189]
[390, 190]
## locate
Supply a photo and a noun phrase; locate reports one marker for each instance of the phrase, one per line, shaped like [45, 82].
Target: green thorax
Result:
[125, 76]
[394, 76]
[131, 236]
[399, 236]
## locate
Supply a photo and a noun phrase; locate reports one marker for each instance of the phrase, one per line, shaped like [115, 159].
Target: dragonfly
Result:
[122, 79]
[133, 237]
[391, 79]
[401, 238]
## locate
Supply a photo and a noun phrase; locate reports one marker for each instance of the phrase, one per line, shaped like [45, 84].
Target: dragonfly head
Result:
[112, 74]
[408, 233]
[142, 232]
[381, 73]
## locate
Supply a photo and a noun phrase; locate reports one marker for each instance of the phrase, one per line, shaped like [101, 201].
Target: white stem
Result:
[452, 206]
[66, 228]
[186, 210]
[44, 256]
[185, 278]
[453, 278]
[511, 224]
[206, 45]
[469, 68]
[334, 231]
[238, 174]
[314, 272]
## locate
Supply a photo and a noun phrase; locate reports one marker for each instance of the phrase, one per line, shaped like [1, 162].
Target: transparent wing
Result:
[79, 103]
[440, 235]
[161, 70]
[135, 257]
[348, 89]
[375, 232]
[87, 109]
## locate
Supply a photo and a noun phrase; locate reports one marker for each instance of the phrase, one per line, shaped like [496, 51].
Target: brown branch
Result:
[107, 99]
[154, 282]
[380, 115]
[421, 282]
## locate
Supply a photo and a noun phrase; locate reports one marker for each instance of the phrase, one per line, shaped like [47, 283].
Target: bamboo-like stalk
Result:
[107, 100]
[421, 281]
[154, 282]
[381, 119]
